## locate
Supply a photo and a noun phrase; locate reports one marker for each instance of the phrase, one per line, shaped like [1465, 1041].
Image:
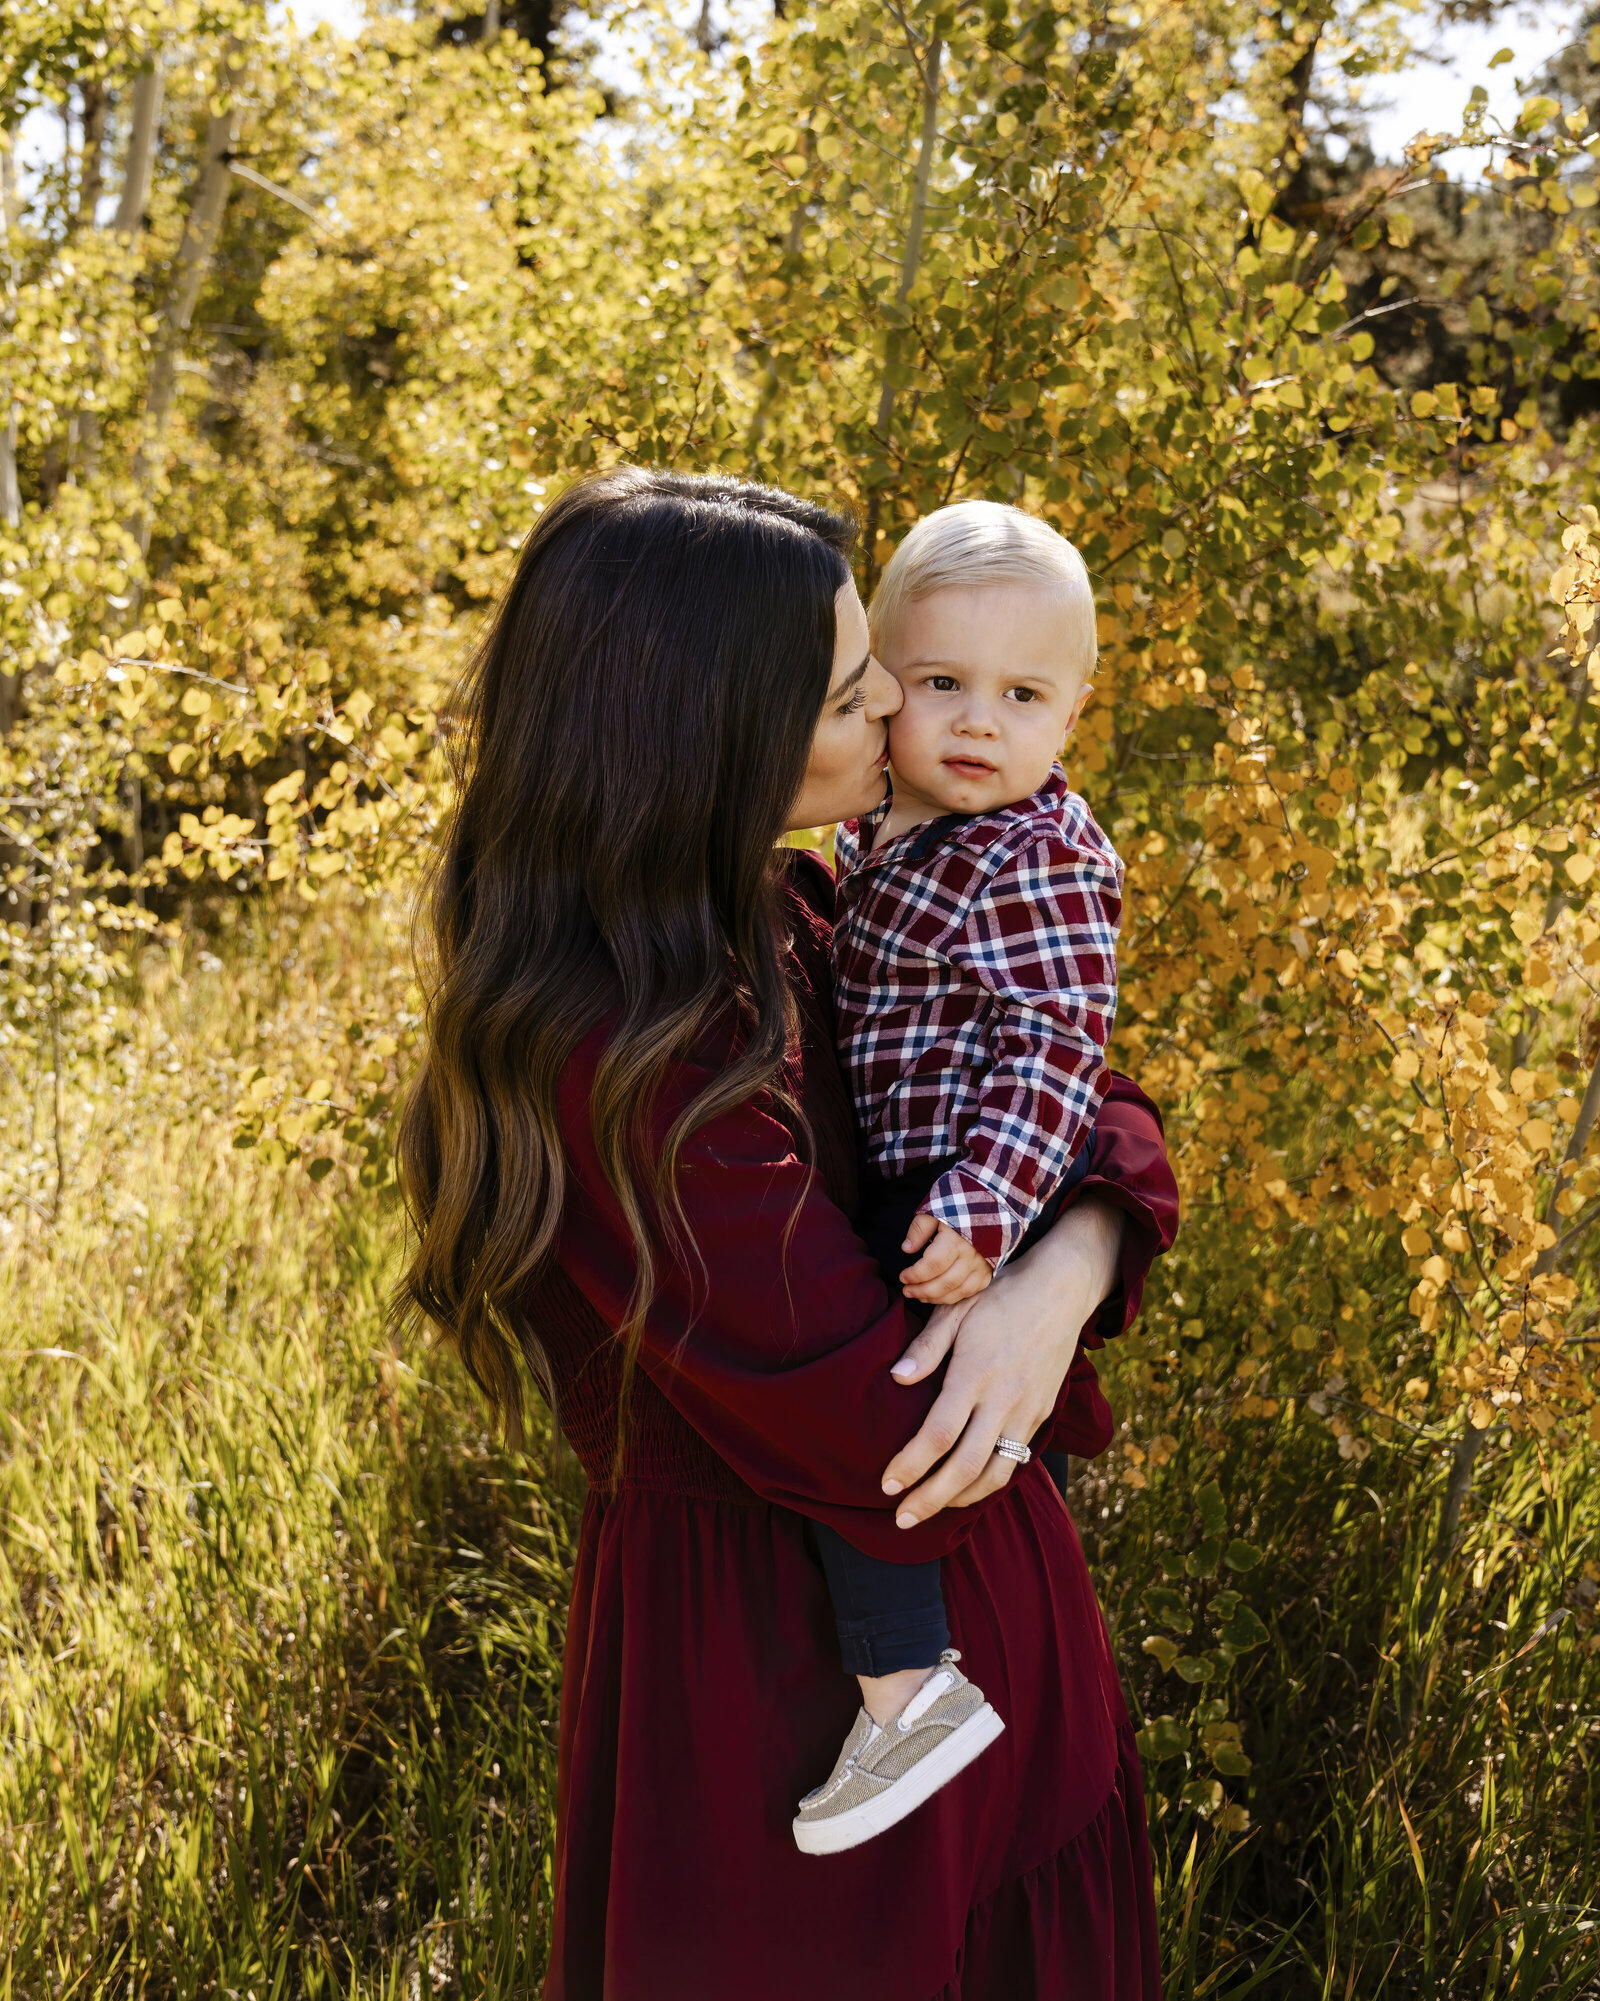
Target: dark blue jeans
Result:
[890, 1616]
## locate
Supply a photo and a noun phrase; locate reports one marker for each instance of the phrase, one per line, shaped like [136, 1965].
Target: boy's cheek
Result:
[907, 737]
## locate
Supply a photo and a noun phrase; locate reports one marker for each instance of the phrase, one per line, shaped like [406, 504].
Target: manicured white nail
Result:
[904, 1521]
[893, 1487]
[904, 1367]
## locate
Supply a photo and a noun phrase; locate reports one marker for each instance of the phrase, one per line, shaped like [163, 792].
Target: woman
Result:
[630, 1160]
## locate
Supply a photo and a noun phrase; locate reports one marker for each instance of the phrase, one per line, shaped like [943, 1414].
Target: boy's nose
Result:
[976, 721]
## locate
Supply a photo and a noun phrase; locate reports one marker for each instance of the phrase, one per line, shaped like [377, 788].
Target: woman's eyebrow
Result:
[852, 678]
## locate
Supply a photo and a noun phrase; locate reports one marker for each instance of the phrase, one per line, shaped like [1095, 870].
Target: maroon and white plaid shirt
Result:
[975, 978]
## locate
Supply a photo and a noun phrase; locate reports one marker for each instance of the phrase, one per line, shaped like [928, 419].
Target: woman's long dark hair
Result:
[629, 739]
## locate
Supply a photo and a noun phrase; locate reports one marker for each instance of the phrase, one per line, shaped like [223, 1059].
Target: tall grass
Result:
[1424, 1745]
[280, 1628]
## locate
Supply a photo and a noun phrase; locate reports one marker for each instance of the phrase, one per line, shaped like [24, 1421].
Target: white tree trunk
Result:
[10, 492]
[135, 198]
[190, 266]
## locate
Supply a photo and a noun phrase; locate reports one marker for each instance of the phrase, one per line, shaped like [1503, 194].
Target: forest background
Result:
[298, 333]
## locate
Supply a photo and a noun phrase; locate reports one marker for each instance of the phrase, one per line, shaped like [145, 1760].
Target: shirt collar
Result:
[968, 830]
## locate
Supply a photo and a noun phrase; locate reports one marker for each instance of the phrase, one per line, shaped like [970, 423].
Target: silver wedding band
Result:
[1011, 1448]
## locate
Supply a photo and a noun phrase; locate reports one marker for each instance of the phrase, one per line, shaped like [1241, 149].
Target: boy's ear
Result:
[1078, 708]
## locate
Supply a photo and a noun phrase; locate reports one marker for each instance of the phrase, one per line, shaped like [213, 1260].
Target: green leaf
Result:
[1211, 1508]
[1193, 1669]
[1162, 1650]
[1244, 1631]
[1163, 1737]
[1242, 1555]
[1202, 1560]
[1170, 1608]
[1230, 1761]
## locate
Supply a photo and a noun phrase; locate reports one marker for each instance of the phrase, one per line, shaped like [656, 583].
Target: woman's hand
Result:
[1013, 1346]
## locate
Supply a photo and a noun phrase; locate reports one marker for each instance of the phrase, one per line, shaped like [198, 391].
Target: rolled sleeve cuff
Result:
[966, 1205]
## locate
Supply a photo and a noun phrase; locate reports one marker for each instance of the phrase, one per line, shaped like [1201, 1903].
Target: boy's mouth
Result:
[970, 767]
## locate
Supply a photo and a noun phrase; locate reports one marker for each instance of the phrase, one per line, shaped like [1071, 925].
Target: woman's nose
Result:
[885, 696]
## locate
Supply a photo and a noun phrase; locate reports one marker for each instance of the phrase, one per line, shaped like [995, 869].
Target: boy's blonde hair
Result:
[981, 542]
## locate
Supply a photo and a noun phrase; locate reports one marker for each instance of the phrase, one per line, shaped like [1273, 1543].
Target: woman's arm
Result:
[1014, 1343]
[775, 1337]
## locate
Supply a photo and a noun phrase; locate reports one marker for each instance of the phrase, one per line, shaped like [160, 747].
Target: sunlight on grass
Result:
[280, 1621]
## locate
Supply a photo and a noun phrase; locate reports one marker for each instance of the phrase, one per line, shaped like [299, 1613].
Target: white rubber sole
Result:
[861, 1823]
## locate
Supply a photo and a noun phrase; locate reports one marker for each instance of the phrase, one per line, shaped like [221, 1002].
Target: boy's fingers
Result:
[964, 1280]
[945, 1291]
[935, 1261]
[924, 1228]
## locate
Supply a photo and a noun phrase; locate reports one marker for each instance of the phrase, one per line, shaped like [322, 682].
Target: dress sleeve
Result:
[774, 1336]
[1129, 1167]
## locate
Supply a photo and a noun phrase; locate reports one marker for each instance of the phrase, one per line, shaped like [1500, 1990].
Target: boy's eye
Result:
[943, 684]
[1026, 694]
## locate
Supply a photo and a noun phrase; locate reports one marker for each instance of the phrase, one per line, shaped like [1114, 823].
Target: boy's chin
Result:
[952, 794]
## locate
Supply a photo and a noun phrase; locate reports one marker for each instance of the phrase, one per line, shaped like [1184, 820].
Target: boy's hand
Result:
[949, 1269]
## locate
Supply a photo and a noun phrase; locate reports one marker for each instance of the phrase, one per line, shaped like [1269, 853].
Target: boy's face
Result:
[991, 692]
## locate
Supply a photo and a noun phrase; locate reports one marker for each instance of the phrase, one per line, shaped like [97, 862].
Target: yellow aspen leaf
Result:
[1537, 1134]
[1580, 868]
[1405, 1066]
[1482, 1413]
[1416, 1240]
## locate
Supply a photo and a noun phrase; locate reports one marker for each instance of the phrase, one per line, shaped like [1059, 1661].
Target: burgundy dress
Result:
[703, 1692]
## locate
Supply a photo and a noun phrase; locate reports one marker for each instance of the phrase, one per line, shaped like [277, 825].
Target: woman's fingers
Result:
[973, 1460]
[941, 1429]
[931, 1346]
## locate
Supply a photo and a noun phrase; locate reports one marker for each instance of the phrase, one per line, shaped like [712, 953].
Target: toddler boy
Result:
[975, 985]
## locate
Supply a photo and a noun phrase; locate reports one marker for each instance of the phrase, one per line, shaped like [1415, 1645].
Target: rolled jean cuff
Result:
[890, 1643]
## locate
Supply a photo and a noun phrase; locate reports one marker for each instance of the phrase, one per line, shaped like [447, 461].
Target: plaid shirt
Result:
[975, 983]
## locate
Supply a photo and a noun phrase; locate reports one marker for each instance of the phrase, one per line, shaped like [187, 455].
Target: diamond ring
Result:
[1011, 1448]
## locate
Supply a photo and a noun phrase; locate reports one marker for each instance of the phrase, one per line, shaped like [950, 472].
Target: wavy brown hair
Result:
[628, 741]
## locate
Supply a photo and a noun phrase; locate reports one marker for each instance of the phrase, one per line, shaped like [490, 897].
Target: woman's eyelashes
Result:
[857, 701]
